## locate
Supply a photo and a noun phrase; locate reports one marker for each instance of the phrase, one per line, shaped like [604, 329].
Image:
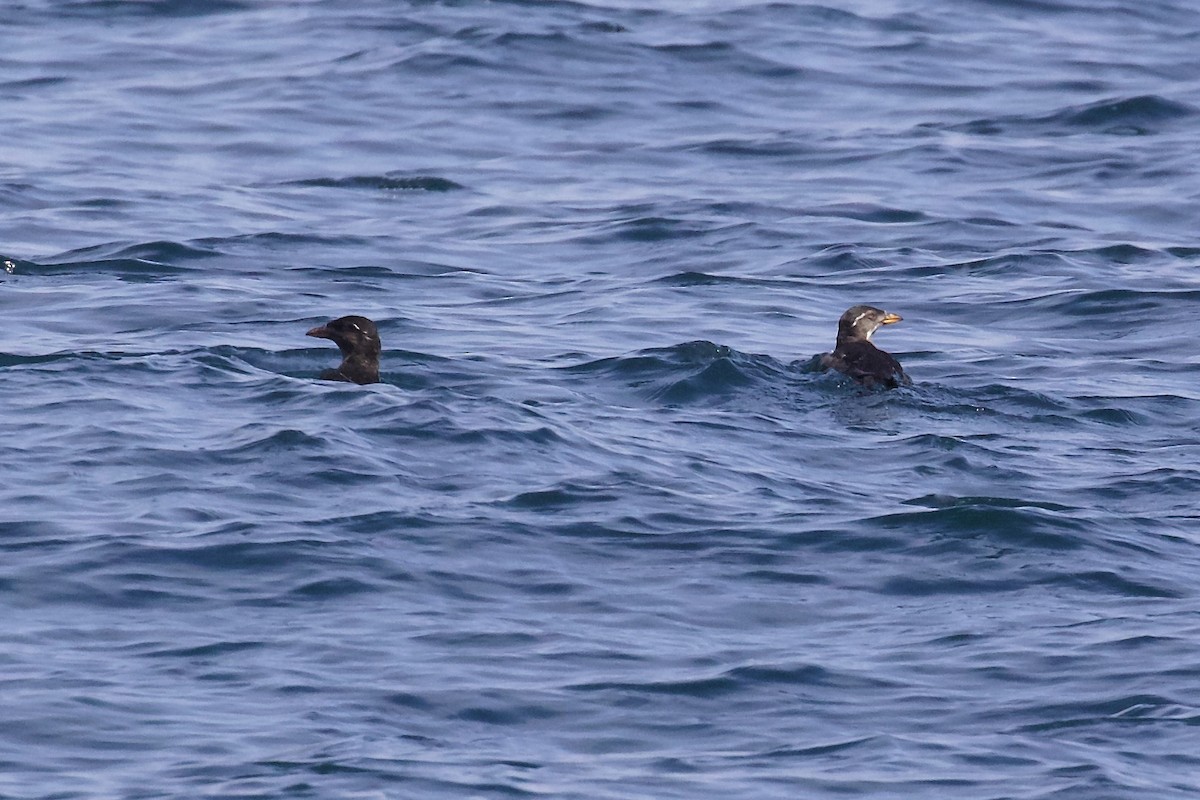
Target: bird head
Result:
[859, 322]
[353, 335]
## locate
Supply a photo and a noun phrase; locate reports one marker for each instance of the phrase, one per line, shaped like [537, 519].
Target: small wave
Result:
[839, 747]
[131, 574]
[567, 495]
[703, 688]
[212, 650]
[720, 376]
[694, 278]
[133, 262]
[154, 8]
[686, 373]
[1106, 581]
[445, 63]
[127, 269]
[1004, 264]
[1124, 253]
[540, 435]
[731, 56]
[32, 83]
[806, 675]
[603, 26]
[389, 181]
[1134, 709]
[164, 252]
[262, 443]
[332, 588]
[1130, 115]
[1134, 116]
[282, 241]
[739, 679]
[1106, 302]
[657, 229]
[1158, 488]
[951, 501]
[806, 14]
[14, 360]
[999, 523]
[868, 212]
[771, 146]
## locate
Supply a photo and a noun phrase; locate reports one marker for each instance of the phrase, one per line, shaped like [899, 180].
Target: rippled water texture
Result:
[601, 532]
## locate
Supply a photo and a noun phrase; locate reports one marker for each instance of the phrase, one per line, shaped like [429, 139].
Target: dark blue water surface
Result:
[600, 532]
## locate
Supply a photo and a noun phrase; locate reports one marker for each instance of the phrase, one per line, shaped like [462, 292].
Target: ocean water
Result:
[601, 532]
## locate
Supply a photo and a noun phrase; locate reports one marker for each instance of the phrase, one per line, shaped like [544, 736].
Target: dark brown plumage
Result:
[358, 339]
[855, 355]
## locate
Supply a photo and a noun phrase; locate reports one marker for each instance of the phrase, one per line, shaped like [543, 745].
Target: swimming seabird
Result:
[855, 355]
[358, 339]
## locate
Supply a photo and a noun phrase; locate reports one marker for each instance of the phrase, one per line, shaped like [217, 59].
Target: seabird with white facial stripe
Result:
[358, 339]
[854, 353]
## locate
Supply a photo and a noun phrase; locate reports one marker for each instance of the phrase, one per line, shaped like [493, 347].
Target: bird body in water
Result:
[855, 355]
[358, 339]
